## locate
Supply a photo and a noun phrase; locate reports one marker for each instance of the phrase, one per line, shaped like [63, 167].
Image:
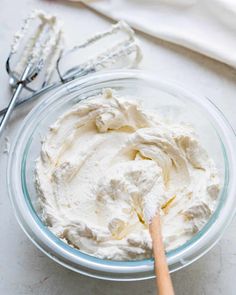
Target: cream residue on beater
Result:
[107, 166]
[48, 33]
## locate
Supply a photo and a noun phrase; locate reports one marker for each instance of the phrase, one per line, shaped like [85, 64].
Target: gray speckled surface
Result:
[23, 268]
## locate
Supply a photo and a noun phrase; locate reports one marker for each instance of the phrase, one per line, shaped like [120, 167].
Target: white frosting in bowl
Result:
[107, 166]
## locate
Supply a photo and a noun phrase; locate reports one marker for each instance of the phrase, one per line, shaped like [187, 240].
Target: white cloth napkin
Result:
[205, 26]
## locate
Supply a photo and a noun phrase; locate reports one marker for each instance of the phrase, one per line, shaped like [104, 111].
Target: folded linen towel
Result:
[205, 26]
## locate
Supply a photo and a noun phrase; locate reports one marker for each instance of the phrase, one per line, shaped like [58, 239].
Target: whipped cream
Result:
[107, 166]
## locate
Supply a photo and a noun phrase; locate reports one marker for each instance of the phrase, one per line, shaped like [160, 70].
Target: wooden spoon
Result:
[163, 280]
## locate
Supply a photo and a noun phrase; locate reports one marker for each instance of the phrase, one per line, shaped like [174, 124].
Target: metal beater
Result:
[34, 44]
[114, 48]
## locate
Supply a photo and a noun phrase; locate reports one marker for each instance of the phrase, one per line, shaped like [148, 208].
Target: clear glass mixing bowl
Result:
[172, 102]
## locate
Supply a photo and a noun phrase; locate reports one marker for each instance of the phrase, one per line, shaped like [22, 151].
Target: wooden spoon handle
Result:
[163, 279]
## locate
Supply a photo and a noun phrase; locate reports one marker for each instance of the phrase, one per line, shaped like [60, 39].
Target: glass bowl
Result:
[172, 103]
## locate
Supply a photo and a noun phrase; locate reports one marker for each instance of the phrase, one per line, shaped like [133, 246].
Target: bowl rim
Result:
[63, 253]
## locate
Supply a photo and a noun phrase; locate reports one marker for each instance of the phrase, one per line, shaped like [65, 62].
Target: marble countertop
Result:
[23, 268]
